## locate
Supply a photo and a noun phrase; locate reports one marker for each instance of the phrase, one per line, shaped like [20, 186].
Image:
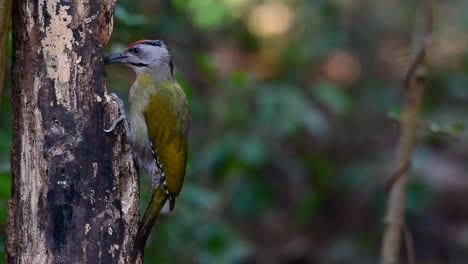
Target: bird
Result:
[158, 128]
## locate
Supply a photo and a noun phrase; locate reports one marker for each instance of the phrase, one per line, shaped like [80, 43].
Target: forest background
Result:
[295, 108]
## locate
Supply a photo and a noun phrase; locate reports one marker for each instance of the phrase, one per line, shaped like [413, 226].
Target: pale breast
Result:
[139, 98]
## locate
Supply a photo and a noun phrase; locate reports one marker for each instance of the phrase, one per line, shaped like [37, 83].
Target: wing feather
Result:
[168, 122]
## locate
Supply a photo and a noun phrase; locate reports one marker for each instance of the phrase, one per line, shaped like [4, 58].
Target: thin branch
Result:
[402, 170]
[418, 60]
[409, 244]
[413, 85]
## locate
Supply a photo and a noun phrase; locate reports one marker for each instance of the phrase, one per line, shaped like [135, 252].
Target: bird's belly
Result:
[141, 147]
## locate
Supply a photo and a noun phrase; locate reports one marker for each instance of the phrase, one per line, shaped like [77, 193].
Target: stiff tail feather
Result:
[158, 199]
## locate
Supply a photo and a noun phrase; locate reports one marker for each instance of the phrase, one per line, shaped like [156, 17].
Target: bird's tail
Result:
[158, 199]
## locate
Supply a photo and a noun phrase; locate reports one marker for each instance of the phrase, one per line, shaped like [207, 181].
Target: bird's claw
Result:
[122, 116]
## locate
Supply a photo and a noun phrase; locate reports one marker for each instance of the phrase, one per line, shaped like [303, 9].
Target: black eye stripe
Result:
[139, 64]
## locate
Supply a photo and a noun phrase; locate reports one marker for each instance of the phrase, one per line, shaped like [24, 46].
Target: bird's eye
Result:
[135, 50]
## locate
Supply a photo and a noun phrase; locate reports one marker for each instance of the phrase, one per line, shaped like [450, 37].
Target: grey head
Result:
[145, 56]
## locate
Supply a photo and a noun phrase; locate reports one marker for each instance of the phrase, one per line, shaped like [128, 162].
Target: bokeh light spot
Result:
[342, 67]
[270, 19]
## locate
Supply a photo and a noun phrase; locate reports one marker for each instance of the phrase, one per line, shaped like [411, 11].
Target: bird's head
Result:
[145, 56]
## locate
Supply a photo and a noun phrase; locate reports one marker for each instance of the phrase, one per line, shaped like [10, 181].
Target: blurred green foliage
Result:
[6, 132]
[290, 141]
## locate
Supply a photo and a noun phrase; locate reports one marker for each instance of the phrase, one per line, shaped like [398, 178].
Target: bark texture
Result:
[75, 189]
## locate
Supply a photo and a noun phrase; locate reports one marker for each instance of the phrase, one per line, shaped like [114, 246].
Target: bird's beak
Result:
[115, 58]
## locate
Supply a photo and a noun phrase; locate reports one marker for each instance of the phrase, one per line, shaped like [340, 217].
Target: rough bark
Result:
[75, 189]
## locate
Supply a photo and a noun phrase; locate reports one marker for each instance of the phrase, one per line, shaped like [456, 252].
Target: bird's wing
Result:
[167, 123]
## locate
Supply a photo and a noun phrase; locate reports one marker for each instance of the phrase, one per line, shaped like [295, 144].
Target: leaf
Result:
[334, 97]
[458, 127]
[394, 112]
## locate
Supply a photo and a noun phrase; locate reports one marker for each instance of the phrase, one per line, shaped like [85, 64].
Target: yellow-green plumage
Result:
[159, 126]
[158, 199]
[160, 115]
[167, 128]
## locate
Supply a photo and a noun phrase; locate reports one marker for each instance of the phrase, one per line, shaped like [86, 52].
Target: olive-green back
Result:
[168, 121]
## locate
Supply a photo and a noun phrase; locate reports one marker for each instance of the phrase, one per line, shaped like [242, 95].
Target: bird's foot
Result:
[122, 116]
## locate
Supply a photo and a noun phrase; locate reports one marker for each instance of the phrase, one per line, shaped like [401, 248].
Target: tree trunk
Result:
[75, 189]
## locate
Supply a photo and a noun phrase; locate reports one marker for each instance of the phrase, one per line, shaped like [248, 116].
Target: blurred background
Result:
[294, 106]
